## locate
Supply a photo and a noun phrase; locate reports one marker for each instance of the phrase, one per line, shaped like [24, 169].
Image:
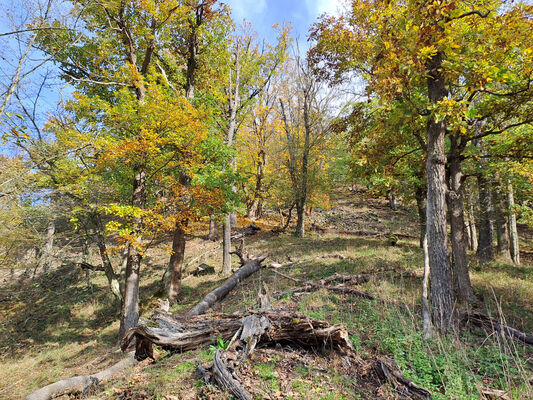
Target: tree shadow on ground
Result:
[47, 310]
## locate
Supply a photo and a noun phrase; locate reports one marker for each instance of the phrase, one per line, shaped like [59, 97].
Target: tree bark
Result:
[212, 228]
[501, 220]
[112, 278]
[441, 294]
[420, 196]
[461, 277]
[472, 236]
[226, 245]
[426, 313]
[485, 250]
[513, 231]
[175, 265]
[130, 304]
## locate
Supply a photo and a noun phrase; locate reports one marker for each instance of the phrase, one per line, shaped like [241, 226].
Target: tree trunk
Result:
[426, 313]
[471, 226]
[502, 226]
[441, 294]
[485, 251]
[420, 195]
[513, 231]
[112, 278]
[461, 277]
[212, 228]
[392, 200]
[176, 261]
[300, 220]
[226, 245]
[130, 304]
[248, 267]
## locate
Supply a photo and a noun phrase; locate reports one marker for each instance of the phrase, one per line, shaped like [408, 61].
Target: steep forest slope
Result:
[62, 322]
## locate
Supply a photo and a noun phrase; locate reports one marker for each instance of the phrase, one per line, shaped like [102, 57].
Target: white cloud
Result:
[319, 7]
[243, 8]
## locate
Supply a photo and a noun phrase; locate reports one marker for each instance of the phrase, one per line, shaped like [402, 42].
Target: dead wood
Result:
[388, 369]
[81, 384]
[333, 255]
[485, 322]
[310, 286]
[377, 234]
[87, 266]
[250, 265]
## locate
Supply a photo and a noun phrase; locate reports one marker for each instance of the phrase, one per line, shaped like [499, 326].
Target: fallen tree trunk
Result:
[81, 384]
[249, 264]
[186, 333]
[482, 321]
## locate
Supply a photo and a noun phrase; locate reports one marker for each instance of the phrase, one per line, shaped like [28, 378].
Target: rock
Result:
[204, 269]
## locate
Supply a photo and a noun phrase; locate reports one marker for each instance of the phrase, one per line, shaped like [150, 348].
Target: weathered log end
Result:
[389, 370]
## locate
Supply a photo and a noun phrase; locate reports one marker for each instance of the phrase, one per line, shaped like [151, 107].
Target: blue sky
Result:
[263, 14]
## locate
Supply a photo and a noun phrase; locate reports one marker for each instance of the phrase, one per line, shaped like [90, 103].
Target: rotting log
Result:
[81, 384]
[178, 333]
[485, 322]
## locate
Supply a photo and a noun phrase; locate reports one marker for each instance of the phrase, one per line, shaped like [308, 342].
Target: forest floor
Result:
[56, 325]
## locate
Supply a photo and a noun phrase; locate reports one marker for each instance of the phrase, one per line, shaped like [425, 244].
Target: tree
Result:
[425, 53]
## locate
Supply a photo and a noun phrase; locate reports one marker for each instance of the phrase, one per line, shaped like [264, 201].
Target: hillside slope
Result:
[57, 326]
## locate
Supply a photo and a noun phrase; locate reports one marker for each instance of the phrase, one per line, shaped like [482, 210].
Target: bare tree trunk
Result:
[471, 225]
[441, 294]
[229, 221]
[426, 313]
[130, 304]
[300, 220]
[461, 277]
[302, 195]
[226, 245]
[392, 200]
[176, 261]
[212, 228]
[420, 195]
[112, 278]
[485, 251]
[513, 231]
[502, 226]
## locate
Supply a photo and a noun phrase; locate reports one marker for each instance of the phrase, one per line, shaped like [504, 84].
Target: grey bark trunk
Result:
[420, 195]
[176, 261]
[472, 226]
[501, 220]
[46, 256]
[461, 277]
[112, 277]
[226, 245]
[230, 221]
[441, 294]
[485, 250]
[300, 220]
[212, 228]
[130, 304]
[513, 231]
[426, 314]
